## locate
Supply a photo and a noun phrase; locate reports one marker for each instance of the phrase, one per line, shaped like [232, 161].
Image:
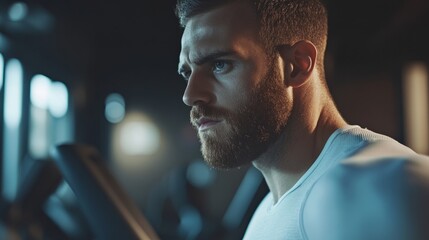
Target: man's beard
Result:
[247, 131]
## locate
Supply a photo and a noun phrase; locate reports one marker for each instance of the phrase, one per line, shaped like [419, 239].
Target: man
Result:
[256, 85]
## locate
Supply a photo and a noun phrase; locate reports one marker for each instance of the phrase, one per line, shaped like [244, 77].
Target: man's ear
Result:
[299, 61]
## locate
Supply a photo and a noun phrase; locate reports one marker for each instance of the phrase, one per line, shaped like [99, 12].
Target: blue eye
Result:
[220, 66]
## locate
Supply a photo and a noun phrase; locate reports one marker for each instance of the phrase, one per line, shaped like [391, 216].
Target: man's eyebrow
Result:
[212, 56]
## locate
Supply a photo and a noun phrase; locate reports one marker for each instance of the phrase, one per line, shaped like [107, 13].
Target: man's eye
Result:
[186, 75]
[220, 66]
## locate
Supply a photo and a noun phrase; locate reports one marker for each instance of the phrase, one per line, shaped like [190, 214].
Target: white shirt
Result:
[292, 217]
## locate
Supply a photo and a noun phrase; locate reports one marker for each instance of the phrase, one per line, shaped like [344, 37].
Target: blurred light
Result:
[13, 94]
[199, 174]
[416, 107]
[115, 108]
[45, 131]
[39, 91]
[139, 138]
[137, 142]
[39, 132]
[1, 70]
[12, 119]
[58, 99]
[62, 130]
[18, 11]
[191, 223]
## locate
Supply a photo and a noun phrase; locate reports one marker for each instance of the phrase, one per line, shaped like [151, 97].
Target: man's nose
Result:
[198, 91]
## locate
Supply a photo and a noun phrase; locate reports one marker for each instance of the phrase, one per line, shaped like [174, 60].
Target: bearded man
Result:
[256, 85]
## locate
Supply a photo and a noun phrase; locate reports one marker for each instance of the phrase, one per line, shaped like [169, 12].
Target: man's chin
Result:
[223, 165]
[220, 158]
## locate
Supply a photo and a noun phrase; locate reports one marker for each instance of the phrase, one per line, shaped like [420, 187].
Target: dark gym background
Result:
[130, 47]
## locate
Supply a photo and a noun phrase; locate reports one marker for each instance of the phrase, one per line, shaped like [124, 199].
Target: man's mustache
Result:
[209, 112]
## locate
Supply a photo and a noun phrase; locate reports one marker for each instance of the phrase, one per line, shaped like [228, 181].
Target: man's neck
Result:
[298, 147]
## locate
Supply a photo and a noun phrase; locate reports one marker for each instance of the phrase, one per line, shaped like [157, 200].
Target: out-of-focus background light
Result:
[139, 138]
[40, 91]
[135, 139]
[40, 88]
[13, 93]
[58, 99]
[47, 94]
[18, 11]
[115, 108]
[1, 70]
[49, 123]
[39, 132]
[416, 107]
[13, 88]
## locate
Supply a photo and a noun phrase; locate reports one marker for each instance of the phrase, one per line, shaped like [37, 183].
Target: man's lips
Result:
[205, 123]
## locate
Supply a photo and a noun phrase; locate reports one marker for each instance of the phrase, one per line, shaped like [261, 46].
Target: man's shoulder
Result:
[382, 162]
[377, 175]
[376, 157]
[384, 188]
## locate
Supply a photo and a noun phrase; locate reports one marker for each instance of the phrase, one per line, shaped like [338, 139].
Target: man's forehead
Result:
[200, 32]
[218, 28]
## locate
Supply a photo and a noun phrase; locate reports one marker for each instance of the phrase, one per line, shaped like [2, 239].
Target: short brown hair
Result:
[281, 21]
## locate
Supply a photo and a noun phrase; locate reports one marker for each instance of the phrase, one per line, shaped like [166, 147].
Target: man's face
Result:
[239, 102]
